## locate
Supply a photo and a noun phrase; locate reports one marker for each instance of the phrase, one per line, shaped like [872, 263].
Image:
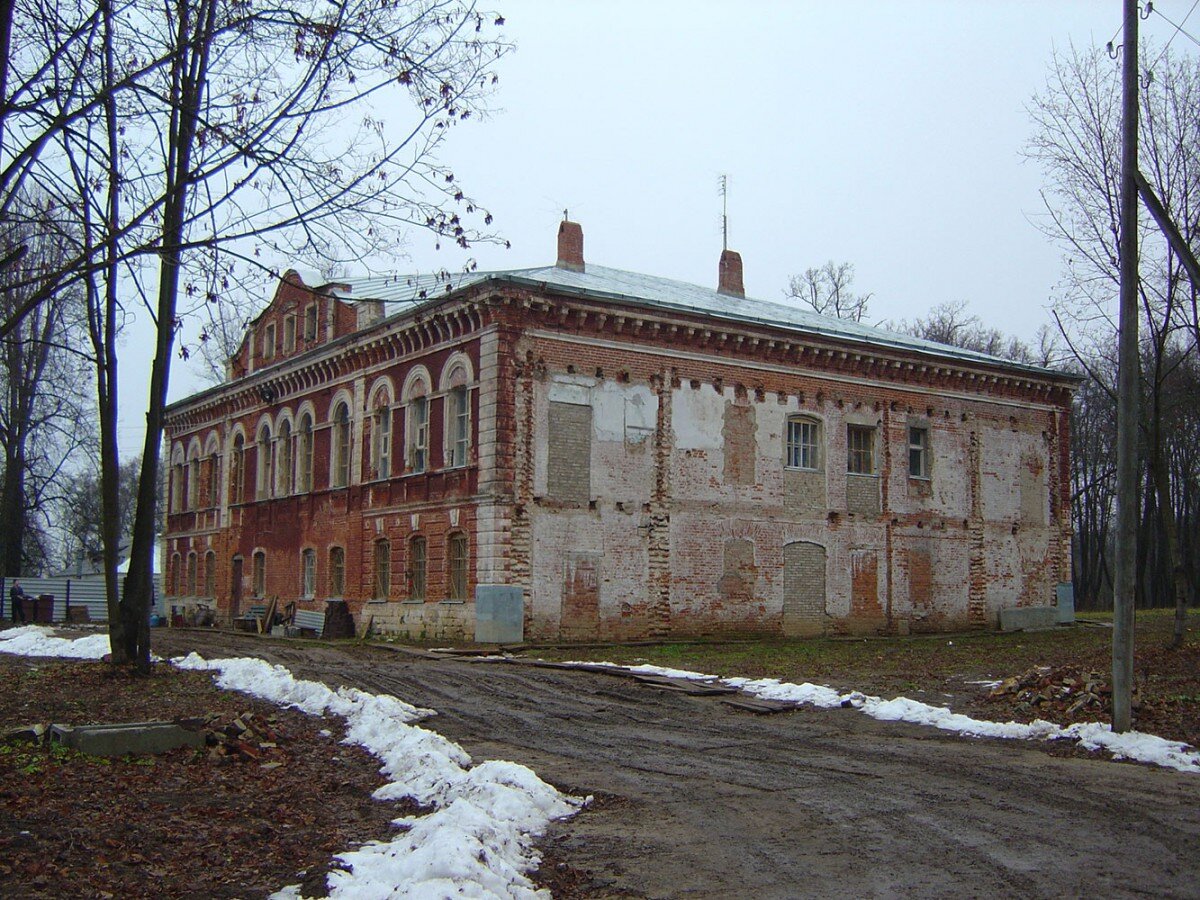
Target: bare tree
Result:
[828, 291]
[1076, 140]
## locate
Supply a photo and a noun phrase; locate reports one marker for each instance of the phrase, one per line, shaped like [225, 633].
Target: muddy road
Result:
[701, 800]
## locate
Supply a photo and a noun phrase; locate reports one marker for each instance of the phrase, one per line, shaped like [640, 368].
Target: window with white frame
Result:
[192, 494]
[268, 342]
[177, 487]
[308, 573]
[191, 574]
[860, 449]
[803, 443]
[210, 574]
[305, 454]
[340, 473]
[381, 439]
[214, 479]
[458, 426]
[289, 334]
[918, 451]
[418, 433]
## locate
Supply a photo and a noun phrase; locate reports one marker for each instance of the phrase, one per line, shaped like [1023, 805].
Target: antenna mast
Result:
[724, 190]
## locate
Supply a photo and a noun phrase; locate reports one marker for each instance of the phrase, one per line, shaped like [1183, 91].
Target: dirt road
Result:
[708, 801]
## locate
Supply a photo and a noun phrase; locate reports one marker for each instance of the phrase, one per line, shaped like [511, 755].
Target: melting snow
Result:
[477, 842]
[1091, 735]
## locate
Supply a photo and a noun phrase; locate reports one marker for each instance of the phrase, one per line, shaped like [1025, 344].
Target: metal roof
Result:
[601, 282]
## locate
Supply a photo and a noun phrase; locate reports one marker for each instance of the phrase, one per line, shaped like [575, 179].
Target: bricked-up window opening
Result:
[417, 568]
[177, 488]
[308, 574]
[191, 574]
[337, 571]
[569, 457]
[341, 446]
[305, 461]
[264, 463]
[268, 348]
[214, 480]
[289, 334]
[383, 569]
[418, 433]
[381, 441]
[310, 322]
[860, 449]
[192, 495]
[259, 584]
[803, 443]
[456, 552]
[176, 564]
[237, 463]
[283, 474]
[918, 452]
[458, 421]
[210, 574]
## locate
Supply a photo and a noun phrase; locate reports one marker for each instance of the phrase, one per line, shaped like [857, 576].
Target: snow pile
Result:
[37, 640]
[1132, 745]
[478, 840]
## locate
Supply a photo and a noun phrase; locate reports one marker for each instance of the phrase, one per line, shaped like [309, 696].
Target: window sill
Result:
[924, 479]
[377, 601]
[817, 471]
[451, 602]
[413, 601]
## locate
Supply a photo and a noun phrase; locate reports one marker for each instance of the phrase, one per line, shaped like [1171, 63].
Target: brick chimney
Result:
[570, 246]
[729, 274]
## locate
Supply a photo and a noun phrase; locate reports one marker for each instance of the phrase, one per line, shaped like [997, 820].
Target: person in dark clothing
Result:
[17, 595]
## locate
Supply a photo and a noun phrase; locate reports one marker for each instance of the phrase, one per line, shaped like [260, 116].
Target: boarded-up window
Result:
[803, 588]
[569, 464]
[456, 553]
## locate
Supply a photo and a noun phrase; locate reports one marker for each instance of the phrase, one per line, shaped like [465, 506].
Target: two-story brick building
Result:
[639, 456]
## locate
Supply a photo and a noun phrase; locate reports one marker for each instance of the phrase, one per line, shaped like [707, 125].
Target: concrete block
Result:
[129, 737]
[499, 614]
[1065, 595]
[1028, 618]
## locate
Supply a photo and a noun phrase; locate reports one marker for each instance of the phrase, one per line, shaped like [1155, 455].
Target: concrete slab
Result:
[1065, 596]
[499, 614]
[128, 737]
[1028, 618]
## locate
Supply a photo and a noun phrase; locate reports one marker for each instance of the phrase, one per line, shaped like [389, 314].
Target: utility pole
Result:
[1125, 562]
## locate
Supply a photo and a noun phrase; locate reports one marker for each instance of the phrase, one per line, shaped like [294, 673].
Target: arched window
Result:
[176, 565]
[283, 472]
[214, 478]
[340, 452]
[417, 567]
[383, 569]
[337, 571]
[305, 454]
[381, 438]
[177, 487]
[237, 464]
[458, 427]
[264, 462]
[210, 574]
[456, 562]
[191, 498]
[308, 573]
[260, 574]
[191, 574]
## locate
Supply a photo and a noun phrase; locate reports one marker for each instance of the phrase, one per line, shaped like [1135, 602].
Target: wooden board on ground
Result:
[685, 685]
[758, 704]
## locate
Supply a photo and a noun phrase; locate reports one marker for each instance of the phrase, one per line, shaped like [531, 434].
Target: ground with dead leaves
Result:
[265, 804]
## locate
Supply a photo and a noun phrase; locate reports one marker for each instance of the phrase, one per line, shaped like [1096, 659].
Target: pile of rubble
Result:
[1067, 691]
[247, 736]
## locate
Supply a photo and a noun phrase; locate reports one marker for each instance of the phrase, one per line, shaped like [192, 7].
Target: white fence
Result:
[86, 591]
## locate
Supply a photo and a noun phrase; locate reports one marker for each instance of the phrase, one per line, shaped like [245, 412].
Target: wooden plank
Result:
[685, 685]
[758, 704]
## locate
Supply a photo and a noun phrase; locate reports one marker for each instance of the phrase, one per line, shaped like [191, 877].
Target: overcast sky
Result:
[886, 134]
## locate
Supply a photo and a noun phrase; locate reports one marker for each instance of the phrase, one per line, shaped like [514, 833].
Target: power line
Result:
[1178, 28]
